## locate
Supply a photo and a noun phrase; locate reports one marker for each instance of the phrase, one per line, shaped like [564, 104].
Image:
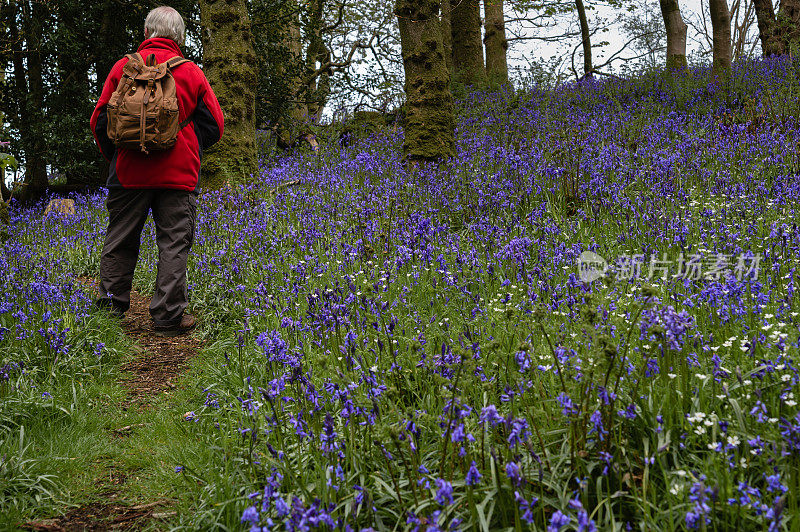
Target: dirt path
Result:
[157, 364]
[159, 361]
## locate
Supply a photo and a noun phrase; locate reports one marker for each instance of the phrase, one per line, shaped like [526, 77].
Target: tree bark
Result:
[676, 34]
[765, 15]
[586, 42]
[788, 26]
[495, 42]
[465, 27]
[721, 30]
[229, 63]
[429, 105]
[447, 35]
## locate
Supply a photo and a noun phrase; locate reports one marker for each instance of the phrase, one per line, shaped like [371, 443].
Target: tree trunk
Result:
[721, 29]
[447, 35]
[317, 88]
[229, 63]
[32, 135]
[767, 25]
[429, 105]
[292, 122]
[586, 42]
[5, 221]
[495, 42]
[788, 26]
[676, 34]
[465, 27]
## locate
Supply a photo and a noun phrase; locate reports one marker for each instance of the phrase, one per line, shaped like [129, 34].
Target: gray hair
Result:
[165, 22]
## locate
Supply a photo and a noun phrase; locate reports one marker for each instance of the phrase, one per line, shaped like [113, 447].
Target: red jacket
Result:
[176, 168]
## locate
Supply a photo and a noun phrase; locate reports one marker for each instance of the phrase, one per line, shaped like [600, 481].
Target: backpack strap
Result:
[172, 64]
[176, 61]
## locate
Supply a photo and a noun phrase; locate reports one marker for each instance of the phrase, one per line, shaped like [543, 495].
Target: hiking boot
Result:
[188, 322]
[105, 303]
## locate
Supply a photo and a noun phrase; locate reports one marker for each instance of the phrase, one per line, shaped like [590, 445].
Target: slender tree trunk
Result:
[296, 113]
[318, 88]
[676, 34]
[586, 41]
[429, 105]
[34, 15]
[465, 26]
[721, 29]
[495, 42]
[229, 63]
[447, 35]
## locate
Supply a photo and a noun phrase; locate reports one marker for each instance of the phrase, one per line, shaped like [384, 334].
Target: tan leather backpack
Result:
[143, 111]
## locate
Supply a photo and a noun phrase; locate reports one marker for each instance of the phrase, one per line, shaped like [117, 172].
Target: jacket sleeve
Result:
[99, 120]
[208, 119]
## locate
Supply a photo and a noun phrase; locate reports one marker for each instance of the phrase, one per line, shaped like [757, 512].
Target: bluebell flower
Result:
[444, 492]
[558, 521]
[473, 477]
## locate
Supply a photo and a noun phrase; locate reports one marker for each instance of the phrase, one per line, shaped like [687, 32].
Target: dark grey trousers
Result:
[174, 213]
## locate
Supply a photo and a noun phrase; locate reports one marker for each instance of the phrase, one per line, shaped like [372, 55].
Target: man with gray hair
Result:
[164, 182]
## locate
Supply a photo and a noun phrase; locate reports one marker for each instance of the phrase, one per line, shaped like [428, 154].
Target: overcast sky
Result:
[607, 23]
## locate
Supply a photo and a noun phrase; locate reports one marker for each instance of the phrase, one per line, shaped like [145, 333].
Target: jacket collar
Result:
[162, 43]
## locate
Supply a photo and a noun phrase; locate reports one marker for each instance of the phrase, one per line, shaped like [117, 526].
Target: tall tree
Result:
[429, 105]
[721, 30]
[495, 42]
[676, 34]
[586, 42]
[465, 27]
[230, 64]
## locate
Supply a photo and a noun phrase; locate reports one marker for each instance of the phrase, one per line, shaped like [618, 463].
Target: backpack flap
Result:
[143, 111]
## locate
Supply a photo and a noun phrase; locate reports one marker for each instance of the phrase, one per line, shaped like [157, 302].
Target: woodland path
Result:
[157, 363]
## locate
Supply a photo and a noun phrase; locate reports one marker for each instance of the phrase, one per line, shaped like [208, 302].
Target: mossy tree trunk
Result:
[721, 33]
[429, 104]
[465, 28]
[676, 34]
[788, 26]
[586, 41]
[779, 35]
[229, 63]
[495, 42]
[765, 15]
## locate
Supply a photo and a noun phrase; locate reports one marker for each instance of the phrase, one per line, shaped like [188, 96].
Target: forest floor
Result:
[148, 378]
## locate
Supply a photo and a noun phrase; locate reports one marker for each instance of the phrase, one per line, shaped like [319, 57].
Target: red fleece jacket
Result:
[178, 167]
